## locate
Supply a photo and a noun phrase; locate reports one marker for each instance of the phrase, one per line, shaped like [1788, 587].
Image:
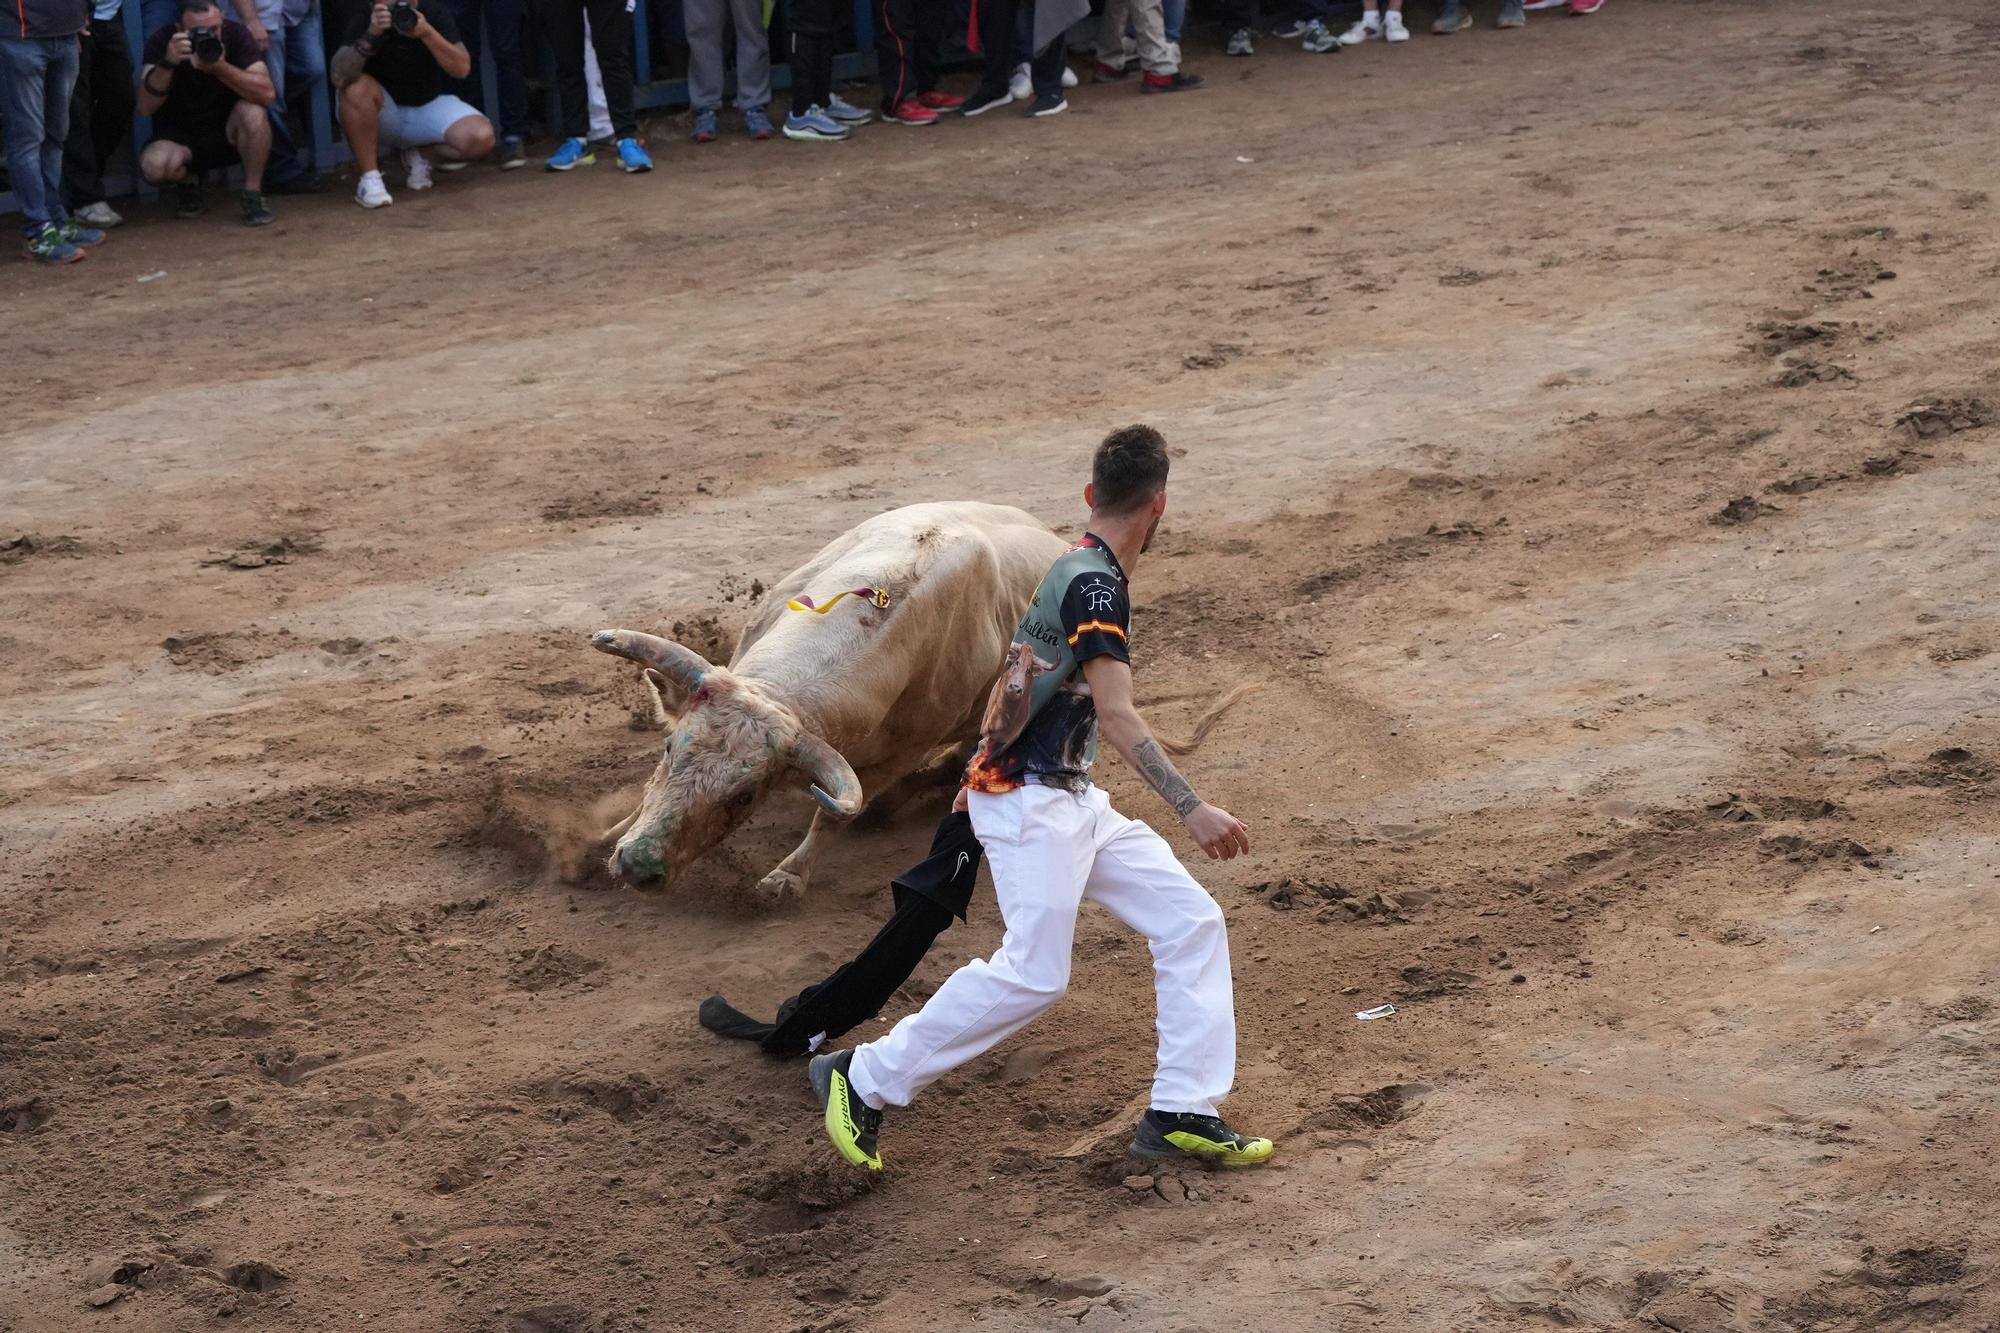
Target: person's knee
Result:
[163, 162]
[361, 99]
[249, 124]
[1202, 933]
[471, 137]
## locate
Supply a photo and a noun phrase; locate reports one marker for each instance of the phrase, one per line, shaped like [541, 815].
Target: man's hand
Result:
[180, 49]
[259, 34]
[964, 801]
[1222, 835]
[378, 20]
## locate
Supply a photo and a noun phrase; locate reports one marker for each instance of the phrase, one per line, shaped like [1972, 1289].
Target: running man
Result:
[1053, 840]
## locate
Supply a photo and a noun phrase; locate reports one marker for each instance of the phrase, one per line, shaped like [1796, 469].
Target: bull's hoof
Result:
[780, 888]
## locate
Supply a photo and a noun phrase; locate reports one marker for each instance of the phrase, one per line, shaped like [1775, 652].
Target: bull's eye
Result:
[741, 800]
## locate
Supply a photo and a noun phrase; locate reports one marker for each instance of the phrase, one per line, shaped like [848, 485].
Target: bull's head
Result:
[731, 744]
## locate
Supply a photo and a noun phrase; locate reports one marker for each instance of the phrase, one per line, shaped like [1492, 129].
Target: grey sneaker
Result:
[1239, 44]
[1319, 38]
[1455, 17]
[1512, 15]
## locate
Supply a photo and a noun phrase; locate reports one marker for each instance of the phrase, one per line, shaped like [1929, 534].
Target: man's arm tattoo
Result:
[347, 62]
[1163, 778]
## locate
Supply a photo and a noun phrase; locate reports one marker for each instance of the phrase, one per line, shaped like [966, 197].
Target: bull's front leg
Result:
[788, 882]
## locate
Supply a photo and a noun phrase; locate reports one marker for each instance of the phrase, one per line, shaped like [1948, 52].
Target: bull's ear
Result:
[834, 785]
[678, 663]
[668, 698]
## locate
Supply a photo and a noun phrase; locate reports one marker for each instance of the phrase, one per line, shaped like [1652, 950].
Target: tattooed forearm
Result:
[346, 65]
[1163, 778]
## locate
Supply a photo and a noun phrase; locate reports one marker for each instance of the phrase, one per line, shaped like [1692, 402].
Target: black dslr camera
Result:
[403, 17]
[206, 44]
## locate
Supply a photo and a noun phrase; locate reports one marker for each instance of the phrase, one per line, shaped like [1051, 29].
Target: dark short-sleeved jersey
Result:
[1081, 611]
[404, 66]
[198, 101]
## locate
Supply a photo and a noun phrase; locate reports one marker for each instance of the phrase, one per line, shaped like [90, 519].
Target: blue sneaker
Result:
[571, 154]
[78, 235]
[632, 157]
[847, 113]
[1291, 29]
[704, 125]
[814, 124]
[757, 122]
[48, 247]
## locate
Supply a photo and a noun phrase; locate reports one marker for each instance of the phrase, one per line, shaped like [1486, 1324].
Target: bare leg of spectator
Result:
[360, 108]
[249, 133]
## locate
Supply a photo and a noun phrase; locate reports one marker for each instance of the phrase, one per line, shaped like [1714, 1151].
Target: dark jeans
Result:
[501, 20]
[36, 80]
[296, 61]
[908, 35]
[1005, 29]
[814, 26]
[100, 110]
[611, 35]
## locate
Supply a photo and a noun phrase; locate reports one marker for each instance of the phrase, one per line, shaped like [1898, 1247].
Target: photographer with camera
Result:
[391, 74]
[205, 86]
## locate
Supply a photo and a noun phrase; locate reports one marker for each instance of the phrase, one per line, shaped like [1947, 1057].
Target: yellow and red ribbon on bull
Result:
[879, 597]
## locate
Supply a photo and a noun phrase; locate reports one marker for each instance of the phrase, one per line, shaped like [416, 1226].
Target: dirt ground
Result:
[1590, 438]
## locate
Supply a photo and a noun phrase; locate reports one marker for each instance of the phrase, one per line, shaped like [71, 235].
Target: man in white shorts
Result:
[391, 74]
[1053, 840]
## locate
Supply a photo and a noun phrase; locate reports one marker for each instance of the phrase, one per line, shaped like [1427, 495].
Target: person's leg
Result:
[305, 61]
[753, 54]
[82, 178]
[858, 990]
[510, 74]
[812, 33]
[1038, 844]
[249, 132]
[1046, 69]
[928, 17]
[611, 39]
[58, 83]
[705, 21]
[282, 152]
[895, 67]
[23, 98]
[113, 100]
[564, 20]
[360, 116]
[1173, 17]
[1114, 46]
[1149, 29]
[1138, 880]
[164, 162]
[999, 28]
[468, 137]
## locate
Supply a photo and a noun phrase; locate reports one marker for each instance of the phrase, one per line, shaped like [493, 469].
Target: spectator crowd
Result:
[217, 78]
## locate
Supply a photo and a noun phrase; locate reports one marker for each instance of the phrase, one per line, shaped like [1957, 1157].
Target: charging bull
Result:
[866, 660]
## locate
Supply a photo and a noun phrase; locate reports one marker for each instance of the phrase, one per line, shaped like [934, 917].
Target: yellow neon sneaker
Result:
[1183, 1133]
[850, 1122]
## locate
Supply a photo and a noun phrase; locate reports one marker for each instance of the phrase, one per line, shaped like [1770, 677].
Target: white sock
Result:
[1371, 19]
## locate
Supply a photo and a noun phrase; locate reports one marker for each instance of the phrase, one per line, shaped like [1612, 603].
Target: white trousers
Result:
[1048, 851]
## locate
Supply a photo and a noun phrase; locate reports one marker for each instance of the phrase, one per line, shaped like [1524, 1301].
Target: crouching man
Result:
[390, 73]
[207, 90]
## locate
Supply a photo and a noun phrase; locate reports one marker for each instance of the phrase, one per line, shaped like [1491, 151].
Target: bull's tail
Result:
[1206, 722]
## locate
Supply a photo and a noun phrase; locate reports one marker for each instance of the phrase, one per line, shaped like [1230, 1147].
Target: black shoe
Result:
[306, 182]
[188, 201]
[982, 102]
[256, 213]
[1454, 17]
[1183, 1133]
[850, 1122]
[1179, 81]
[1048, 104]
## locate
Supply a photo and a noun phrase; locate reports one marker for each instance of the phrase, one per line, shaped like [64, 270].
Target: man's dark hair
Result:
[197, 6]
[1130, 469]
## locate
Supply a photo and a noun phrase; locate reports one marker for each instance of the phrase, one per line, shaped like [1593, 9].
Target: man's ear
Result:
[1090, 495]
[1160, 503]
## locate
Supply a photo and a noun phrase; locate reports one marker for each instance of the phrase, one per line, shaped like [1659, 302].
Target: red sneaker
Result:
[941, 101]
[1179, 82]
[1103, 73]
[1585, 6]
[911, 112]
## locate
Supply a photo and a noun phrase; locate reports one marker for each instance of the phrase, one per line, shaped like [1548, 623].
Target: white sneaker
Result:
[1069, 77]
[99, 214]
[372, 193]
[1362, 30]
[1022, 86]
[1393, 29]
[417, 169]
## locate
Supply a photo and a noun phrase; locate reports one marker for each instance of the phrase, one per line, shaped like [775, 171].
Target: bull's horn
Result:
[834, 785]
[684, 665]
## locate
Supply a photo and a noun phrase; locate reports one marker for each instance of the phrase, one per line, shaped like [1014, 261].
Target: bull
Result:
[866, 661]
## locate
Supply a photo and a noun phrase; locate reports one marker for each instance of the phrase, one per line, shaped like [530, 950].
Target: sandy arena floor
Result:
[1590, 437]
